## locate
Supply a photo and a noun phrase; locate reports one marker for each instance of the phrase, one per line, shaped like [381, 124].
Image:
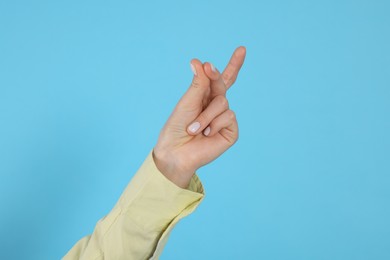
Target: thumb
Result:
[199, 88]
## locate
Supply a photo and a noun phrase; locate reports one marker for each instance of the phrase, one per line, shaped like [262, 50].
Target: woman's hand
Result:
[202, 126]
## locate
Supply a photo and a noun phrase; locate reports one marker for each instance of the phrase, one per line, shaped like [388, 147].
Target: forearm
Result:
[139, 224]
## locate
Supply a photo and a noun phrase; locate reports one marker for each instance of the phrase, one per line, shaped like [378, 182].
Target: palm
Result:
[199, 148]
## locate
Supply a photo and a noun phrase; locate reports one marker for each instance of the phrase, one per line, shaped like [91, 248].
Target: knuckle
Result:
[202, 118]
[226, 78]
[231, 114]
[233, 80]
[222, 101]
[195, 84]
[235, 139]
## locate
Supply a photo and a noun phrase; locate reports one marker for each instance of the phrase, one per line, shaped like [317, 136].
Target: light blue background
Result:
[85, 87]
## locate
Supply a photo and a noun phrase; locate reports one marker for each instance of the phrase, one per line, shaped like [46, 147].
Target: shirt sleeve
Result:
[140, 223]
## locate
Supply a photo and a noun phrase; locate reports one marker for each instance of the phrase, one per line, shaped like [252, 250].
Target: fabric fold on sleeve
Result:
[153, 201]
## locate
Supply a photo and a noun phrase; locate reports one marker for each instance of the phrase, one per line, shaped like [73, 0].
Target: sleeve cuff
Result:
[152, 201]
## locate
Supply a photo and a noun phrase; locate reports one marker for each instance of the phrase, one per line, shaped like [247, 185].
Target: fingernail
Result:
[212, 67]
[193, 69]
[194, 127]
[207, 131]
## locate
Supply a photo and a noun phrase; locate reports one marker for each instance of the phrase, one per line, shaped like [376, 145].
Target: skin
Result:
[180, 152]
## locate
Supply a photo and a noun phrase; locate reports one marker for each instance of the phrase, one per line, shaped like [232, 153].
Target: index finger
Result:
[217, 85]
[230, 73]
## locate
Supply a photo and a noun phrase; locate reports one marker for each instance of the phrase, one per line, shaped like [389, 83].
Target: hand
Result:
[202, 126]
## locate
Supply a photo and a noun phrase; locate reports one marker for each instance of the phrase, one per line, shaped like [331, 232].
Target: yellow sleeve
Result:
[139, 224]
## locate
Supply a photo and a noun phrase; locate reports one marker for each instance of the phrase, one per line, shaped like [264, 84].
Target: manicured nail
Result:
[193, 69]
[212, 67]
[207, 131]
[194, 127]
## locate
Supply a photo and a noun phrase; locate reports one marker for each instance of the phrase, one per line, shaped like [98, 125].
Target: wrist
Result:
[168, 165]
